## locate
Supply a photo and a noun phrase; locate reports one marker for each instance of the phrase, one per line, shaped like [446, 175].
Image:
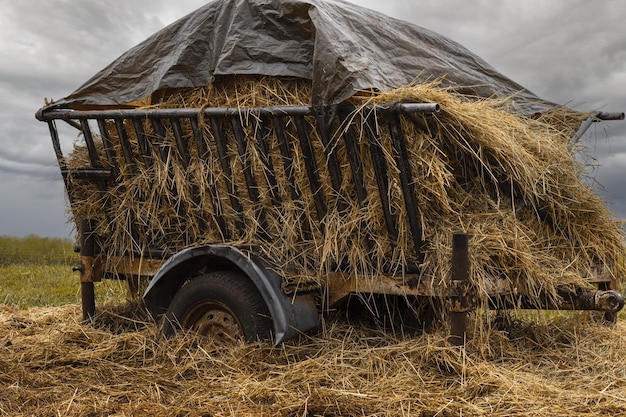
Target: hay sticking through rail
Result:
[51, 364]
[512, 182]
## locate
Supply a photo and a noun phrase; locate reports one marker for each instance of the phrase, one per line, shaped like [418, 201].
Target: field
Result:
[517, 364]
[37, 271]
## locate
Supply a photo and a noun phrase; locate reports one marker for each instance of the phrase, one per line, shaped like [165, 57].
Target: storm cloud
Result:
[569, 52]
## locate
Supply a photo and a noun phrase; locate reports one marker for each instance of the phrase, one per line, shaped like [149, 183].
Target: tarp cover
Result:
[341, 47]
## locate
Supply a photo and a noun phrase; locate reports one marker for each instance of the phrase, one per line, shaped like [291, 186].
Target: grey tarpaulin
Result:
[341, 47]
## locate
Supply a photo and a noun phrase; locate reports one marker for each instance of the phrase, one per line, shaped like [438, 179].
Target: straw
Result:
[510, 181]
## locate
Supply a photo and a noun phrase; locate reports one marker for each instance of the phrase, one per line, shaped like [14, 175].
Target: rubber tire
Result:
[229, 288]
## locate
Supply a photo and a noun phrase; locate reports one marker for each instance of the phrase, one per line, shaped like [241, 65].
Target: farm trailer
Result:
[223, 287]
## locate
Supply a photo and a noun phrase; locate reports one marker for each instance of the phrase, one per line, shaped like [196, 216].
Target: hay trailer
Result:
[228, 288]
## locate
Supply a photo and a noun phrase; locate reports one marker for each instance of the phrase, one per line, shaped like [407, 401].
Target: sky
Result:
[570, 52]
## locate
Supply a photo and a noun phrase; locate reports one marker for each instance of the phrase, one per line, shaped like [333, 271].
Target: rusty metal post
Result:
[88, 298]
[87, 254]
[461, 297]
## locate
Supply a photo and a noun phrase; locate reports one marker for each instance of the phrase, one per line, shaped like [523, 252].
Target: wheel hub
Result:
[214, 320]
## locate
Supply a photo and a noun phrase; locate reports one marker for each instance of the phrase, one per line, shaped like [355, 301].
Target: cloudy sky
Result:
[566, 51]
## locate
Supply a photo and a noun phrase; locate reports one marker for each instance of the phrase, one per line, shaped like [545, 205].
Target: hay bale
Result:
[510, 181]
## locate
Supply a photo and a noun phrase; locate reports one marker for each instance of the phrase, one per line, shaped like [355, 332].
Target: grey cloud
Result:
[32, 207]
[567, 51]
[47, 169]
[35, 173]
[611, 186]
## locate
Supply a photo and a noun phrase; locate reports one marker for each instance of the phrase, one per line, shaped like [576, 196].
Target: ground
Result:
[519, 364]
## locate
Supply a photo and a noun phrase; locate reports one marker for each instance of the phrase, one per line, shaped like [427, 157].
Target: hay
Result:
[512, 182]
[50, 364]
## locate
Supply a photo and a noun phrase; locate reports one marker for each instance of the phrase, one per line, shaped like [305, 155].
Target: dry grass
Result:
[50, 364]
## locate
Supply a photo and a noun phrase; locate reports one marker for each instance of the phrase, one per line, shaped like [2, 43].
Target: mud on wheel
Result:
[223, 305]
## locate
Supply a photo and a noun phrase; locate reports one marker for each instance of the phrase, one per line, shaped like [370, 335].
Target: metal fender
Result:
[291, 315]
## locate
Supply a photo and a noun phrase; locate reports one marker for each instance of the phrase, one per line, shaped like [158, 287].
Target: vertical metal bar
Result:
[406, 182]
[231, 185]
[87, 253]
[142, 141]
[288, 166]
[287, 158]
[56, 144]
[127, 151]
[242, 150]
[95, 163]
[459, 281]
[88, 300]
[180, 142]
[380, 171]
[354, 158]
[203, 150]
[356, 168]
[165, 154]
[109, 150]
[311, 167]
[185, 159]
[159, 133]
[253, 189]
[261, 135]
[204, 155]
[324, 119]
[91, 146]
[127, 154]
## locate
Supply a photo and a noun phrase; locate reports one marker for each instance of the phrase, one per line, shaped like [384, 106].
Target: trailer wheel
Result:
[221, 305]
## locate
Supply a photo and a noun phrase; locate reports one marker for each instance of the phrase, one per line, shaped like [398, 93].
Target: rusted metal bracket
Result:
[463, 297]
[610, 301]
[90, 269]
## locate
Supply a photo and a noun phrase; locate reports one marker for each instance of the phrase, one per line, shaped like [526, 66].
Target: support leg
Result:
[461, 297]
[88, 300]
[87, 253]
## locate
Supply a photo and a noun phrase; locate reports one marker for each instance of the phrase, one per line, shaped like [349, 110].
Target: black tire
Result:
[223, 305]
